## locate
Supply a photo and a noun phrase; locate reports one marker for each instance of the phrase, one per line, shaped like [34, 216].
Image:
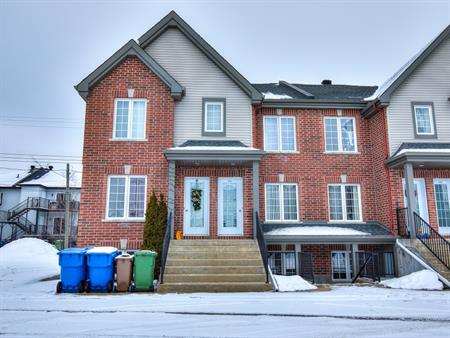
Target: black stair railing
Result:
[165, 247]
[262, 245]
[437, 244]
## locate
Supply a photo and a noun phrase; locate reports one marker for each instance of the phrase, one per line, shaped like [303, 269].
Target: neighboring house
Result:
[32, 203]
[176, 118]
[415, 103]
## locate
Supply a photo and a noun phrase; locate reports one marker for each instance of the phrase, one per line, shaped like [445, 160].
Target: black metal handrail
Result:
[262, 245]
[402, 222]
[165, 248]
[437, 244]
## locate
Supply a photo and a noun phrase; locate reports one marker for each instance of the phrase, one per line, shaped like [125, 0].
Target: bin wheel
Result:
[81, 287]
[131, 288]
[115, 287]
[110, 286]
[87, 286]
[59, 287]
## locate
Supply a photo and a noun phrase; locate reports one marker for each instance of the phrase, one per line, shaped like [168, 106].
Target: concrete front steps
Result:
[431, 259]
[214, 266]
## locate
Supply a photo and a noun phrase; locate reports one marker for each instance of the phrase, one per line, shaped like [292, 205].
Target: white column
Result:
[409, 185]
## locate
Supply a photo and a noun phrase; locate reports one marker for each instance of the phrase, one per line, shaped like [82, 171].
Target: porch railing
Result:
[262, 245]
[165, 248]
[368, 264]
[437, 244]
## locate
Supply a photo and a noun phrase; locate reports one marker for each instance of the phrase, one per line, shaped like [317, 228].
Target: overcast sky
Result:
[49, 46]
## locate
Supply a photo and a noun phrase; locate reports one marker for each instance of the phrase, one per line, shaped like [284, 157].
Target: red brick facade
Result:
[103, 157]
[312, 169]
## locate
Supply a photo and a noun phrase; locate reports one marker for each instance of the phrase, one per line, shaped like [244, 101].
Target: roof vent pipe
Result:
[50, 167]
[326, 82]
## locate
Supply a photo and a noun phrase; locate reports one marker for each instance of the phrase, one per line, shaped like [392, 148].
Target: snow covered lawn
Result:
[32, 309]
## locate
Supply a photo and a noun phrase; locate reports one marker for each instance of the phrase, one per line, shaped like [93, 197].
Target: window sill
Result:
[342, 152]
[281, 152]
[128, 139]
[283, 222]
[340, 222]
[123, 220]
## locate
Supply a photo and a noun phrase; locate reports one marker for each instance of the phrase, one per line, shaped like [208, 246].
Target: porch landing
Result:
[214, 266]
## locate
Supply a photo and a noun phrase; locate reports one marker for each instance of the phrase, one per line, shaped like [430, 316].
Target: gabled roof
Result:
[131, 48]
[383, 94]
[173, 20]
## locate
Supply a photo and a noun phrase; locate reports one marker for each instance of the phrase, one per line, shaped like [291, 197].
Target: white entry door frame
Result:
[196, 206]
[421, 197]
[230, 211]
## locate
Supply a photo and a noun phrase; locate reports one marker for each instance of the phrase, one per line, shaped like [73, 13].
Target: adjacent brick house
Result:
[171, 115]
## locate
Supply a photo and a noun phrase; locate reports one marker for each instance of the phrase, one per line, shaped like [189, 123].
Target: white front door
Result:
[230, 206]
[442, 196]
[421, 197]
[196, 206]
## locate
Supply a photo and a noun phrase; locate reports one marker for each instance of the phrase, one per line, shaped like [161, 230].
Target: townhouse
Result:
[290, 173]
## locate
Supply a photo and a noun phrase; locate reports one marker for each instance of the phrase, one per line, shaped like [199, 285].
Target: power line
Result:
[38, 126]
[40, 155]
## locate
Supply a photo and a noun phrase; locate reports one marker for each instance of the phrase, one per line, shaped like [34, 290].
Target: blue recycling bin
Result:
[100, 263]
[73, 270]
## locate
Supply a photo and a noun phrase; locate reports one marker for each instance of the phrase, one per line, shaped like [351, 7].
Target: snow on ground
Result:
[292, 283]
[25, 261]
[314, 231]
[420, 280]
[33, 309]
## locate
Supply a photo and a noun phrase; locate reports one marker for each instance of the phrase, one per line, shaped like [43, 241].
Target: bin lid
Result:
[73, 251]
[125, 256]
[145, 253]
[109, 250]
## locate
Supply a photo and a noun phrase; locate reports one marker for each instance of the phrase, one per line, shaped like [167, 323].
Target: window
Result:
[126, 197]
[341, 265]
[129, 119]
[214, 117]
[423, 120]
[281, 202]
[344, 202]
[340, 134]
[282, 263]
[442, 195]
[279, 133]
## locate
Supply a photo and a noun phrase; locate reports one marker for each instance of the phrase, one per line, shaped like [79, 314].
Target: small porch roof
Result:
[213, 152]
[421, 154]
[324, 232]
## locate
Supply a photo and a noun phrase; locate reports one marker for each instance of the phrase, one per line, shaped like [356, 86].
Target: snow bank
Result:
[292, 283]
[420, 280]
[27, 260]
[314, 231]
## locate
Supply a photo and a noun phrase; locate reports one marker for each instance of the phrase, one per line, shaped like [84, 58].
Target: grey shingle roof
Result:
[212, 143]
[321, 92]
[422, 145]
[372, 228]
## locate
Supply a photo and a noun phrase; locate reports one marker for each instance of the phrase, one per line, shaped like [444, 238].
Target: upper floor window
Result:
[126, 197]
[340, 134]
[423, 120]
[344, 201]
[279, 133]
[129, 119]
[281, 202]
[214, 117]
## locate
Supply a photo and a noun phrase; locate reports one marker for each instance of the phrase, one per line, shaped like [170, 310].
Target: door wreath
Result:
[196, 199]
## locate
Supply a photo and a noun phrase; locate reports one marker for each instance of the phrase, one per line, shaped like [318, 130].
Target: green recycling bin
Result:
[144, 268]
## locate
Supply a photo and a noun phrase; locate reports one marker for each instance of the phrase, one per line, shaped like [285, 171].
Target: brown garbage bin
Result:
[124, 269]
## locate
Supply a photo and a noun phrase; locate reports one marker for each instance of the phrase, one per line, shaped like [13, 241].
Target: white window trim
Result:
[127, 198]
[344, 204]
[430, 116]
[441, 230]
[348, 269]
[130, 120]
[280, 145]
[221, 119]
[340, 145]
[281, 204]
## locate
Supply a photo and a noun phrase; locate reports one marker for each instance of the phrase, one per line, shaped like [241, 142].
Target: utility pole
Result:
[67, 204]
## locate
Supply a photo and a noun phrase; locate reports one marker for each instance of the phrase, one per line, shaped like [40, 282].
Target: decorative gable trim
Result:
[173, 20]
[131, 48]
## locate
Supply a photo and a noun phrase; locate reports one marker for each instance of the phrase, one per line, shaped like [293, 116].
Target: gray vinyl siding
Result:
[201, 79]
[430, 82]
